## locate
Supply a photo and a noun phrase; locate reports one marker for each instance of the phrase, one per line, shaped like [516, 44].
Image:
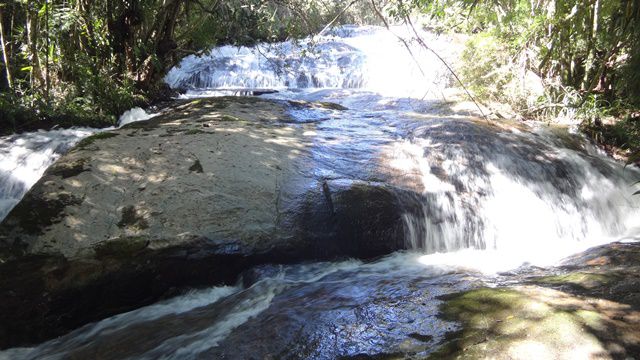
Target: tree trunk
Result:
[162, 38]
[46, 53]
[32, 45]
[5, 55]
[590, 65]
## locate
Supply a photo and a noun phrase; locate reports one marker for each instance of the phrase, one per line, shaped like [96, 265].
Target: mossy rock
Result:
[584, 280]
[317, 105]
[124, 247]
[331, 106]
[37, 211]
[67, 169]
[507, 323]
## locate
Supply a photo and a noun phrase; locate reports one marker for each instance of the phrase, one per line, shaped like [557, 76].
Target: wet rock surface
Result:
[585, 308]
[369, 318]
[189, 198]
[349, 309]
[215, 188]
[395, 307]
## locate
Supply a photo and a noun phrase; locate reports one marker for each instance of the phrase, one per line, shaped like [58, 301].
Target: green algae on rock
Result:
[534, 322]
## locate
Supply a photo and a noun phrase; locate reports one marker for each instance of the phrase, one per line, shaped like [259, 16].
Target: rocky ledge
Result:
[189, 198]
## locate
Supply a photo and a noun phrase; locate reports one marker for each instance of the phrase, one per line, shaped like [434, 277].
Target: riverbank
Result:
[16, 116]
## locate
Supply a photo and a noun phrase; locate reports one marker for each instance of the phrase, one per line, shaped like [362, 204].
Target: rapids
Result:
[492, 197]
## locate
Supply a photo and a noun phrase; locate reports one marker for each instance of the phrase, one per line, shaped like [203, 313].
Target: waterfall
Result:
[481, 187]
[520, 190]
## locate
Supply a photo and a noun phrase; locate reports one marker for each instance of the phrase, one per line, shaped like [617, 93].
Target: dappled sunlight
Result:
[179, 167]
[529, 322]
[112, 169]
[531, 349]
[75, 183]
[516, 195]
[80, 237]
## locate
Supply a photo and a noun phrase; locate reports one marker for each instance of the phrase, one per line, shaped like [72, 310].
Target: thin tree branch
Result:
[337, 17]
[423, 44]
[404, 42]
[5, 56]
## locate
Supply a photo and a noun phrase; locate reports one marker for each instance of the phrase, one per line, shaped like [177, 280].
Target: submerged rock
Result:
[190, 197]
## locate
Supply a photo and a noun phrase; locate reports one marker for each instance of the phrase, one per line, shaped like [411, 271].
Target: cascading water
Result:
[25, 157]
[517, 196]
[490, 197]
[347, 58]
[515, 189]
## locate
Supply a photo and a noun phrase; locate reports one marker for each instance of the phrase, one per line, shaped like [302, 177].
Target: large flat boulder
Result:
[189, 198]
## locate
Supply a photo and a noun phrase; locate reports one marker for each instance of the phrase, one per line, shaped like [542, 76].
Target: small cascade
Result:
[348, 57]
[133, 115]
[530, 195]
[25, 157]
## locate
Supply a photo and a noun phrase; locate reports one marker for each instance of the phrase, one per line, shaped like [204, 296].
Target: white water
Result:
[368, 58]
[133, 115]
[241, 305]
[499, 207]
[25, 157]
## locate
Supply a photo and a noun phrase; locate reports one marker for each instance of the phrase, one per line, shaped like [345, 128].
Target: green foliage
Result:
[486, 69]
[587, 53]
[623, 134]
[630, 72]
[13, 112]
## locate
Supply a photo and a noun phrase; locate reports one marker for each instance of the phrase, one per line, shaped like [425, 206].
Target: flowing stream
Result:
[491, 197]
[25, 157]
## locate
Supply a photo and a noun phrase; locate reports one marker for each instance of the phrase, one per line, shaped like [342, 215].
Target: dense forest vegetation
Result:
[85, 62]
[586, 53]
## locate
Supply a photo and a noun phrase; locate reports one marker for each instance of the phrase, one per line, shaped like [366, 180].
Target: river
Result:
[493, 197]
